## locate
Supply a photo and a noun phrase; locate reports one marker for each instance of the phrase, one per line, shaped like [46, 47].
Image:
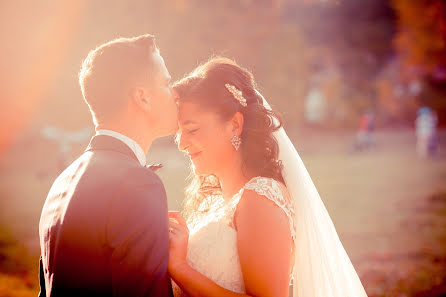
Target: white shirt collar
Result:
[133, 145]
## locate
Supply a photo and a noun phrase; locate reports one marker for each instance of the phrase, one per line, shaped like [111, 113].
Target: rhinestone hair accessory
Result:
[238, 95]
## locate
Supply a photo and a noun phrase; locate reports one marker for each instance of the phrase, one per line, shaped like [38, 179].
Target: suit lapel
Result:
[108, 143]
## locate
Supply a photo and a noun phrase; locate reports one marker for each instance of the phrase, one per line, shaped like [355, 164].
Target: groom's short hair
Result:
[108, 72]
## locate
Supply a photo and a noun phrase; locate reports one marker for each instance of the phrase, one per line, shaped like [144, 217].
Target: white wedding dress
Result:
[321, 264]
[212, 248]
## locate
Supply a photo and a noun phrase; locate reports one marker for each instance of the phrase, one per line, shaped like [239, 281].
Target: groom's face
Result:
[163, 115]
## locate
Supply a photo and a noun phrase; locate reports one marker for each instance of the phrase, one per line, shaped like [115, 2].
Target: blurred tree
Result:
[351, 41]
[421, 37]
[421, 45]
[18, 269]
[354, 35]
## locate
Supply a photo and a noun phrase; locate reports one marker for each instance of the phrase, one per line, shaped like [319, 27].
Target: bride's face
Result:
[205, 137]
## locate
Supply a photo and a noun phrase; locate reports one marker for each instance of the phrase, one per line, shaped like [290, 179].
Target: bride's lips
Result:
[194, 155]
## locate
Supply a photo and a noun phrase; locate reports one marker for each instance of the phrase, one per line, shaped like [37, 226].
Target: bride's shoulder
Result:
[268, 197]
[267, 186]
[265, 198]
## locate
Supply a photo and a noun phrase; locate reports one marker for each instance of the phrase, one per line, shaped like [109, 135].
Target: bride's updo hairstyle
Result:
[205, 86]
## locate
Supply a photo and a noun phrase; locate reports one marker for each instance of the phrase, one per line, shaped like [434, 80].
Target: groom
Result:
[104, 226]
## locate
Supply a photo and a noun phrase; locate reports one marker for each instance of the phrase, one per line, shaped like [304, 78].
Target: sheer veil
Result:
[322, 267]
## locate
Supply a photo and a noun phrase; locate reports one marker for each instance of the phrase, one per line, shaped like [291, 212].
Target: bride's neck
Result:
[232, 179]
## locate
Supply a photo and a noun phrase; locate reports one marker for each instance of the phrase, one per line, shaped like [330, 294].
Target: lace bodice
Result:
[212, 246]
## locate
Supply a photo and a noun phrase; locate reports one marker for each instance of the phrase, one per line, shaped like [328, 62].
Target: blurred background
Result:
[361, 85]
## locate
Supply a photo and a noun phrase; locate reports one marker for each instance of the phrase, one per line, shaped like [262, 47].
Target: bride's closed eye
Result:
[193, 131]
[187, 131]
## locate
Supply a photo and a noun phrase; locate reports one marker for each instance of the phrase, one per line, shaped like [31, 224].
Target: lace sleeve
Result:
[277, 193]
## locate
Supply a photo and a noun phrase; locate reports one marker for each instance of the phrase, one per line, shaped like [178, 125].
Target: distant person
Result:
[433, 140]
[364, 137]
[426, 132]
[315, 106]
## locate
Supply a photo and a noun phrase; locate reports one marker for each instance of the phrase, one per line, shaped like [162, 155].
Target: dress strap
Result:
[274, 191]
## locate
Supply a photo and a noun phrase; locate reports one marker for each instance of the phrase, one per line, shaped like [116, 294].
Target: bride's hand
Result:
[178, 237]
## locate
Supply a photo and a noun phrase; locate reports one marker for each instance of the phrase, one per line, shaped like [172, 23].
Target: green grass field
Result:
[388, 205]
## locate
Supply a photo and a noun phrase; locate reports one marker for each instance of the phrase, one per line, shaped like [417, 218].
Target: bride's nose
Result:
[182, 141]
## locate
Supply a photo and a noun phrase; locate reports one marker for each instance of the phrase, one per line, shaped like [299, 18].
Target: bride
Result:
[254, 221]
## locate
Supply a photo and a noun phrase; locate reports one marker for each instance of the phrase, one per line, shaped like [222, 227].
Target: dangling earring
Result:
[236, 141]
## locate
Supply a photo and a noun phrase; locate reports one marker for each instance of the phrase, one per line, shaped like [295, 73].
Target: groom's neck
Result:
[142, 138]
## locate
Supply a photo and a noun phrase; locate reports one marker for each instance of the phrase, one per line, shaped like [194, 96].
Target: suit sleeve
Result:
[137, 232]
[42, 292]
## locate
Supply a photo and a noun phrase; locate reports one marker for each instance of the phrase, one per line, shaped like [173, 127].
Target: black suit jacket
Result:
[104, 227]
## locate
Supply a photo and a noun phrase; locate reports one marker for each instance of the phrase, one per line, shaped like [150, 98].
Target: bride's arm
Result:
[264, 247]
[195, 284]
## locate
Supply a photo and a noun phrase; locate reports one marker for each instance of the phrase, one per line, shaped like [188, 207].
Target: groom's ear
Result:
[141, 99]
[237, 123]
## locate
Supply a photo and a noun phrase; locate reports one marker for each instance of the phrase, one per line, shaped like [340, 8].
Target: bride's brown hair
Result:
[205, 85]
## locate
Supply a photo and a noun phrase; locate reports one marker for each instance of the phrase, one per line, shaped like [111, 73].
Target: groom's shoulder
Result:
[132, 175]
[111, 171]
[129, 172]
[139, 184]
[138, 175]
